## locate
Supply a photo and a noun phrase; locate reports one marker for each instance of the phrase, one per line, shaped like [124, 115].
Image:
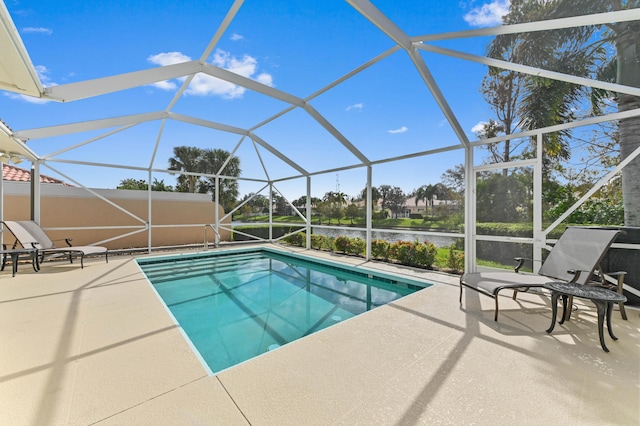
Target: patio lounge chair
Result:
[29, 235]
[574, 258]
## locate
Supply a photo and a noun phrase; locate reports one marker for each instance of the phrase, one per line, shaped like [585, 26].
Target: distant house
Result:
[421, 208]
[17, 174]
[410, 207]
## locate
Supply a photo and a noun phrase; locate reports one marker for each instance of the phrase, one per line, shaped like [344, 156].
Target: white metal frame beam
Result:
[388, 27]
[101, 86]
[550, 24]
[538, 72]
[17, 73]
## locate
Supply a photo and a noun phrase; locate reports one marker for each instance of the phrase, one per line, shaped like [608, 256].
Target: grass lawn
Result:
[446, 224]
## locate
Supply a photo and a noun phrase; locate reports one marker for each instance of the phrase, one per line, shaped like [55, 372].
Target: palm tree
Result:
[186, 159]
[335, 201]
[581, 51]
[427, 193]
[220, 162]
[421, 195]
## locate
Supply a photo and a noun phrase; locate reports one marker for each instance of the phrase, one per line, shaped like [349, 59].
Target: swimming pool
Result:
[237, 304]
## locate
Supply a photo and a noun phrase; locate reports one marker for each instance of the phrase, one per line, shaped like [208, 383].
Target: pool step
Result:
[185, 268]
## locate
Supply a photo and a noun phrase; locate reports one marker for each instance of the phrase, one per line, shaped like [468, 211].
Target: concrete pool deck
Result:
[96, 346]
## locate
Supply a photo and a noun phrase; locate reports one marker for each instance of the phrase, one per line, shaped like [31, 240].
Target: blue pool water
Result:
[236, 305]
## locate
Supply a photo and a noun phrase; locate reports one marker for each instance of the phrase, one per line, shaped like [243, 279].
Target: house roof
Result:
[17, 174]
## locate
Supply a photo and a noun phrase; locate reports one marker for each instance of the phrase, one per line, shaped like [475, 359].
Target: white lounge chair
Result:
[30, 235]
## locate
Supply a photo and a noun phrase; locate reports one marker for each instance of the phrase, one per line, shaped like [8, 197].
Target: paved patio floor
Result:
[96, 346]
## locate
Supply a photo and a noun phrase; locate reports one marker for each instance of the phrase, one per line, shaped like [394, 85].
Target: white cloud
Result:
[489, 14]
[266, 79]
[29, 99]
[479, 127]
[402, 129]
[39, 30]
[357, 107]
[206, 85]
[43, 75]
[166, 85]
[443, 122]
[168, 58]
[236, 37]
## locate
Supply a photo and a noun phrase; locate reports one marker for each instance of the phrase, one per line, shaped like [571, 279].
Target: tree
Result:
[501, 89]
[385, 191]
[160, 186]
[395, 200]
[186, 159]
[375, 196]
[504, 198]
[220, 162]
[429, 192]
[280, 205]
[353, 212]
[454, 179]
[301, 202]
[134, 184]
[216, 162]
[257, 203]
[335, 202]
[421, 194]
[322, 208]
[141, 185]
[441, 192]
[610, 52]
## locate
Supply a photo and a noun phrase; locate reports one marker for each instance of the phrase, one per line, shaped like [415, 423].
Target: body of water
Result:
[392, 237]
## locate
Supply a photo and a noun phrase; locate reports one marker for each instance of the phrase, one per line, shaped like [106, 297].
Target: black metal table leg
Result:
[609, 313]
[554, 310]
[14, 263]
[34, 261]
[602, 308]
[564, 309]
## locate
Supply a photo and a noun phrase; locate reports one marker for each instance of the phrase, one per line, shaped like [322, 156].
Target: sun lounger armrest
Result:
[576, 274]
[66, 240]
[521, 261]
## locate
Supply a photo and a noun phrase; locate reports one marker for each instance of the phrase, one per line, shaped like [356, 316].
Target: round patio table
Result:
[601, 297]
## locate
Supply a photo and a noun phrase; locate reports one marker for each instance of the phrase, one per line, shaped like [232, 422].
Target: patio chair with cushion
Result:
[30, 235]
[574, 258]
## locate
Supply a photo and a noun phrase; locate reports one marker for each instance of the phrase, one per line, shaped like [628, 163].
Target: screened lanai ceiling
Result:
[294, 89]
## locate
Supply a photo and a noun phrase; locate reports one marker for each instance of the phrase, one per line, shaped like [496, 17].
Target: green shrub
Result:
[455, 259]
[402, 252]
[341, 243]
[425, 254]
[380, 249]
[329, 243]
[356, 246]
[414, 253]
[317, 241]
[299, 239]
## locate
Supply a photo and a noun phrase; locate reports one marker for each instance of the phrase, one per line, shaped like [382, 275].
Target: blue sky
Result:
[294, 46]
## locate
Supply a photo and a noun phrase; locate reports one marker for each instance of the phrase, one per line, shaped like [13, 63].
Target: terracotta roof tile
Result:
[17, 174]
